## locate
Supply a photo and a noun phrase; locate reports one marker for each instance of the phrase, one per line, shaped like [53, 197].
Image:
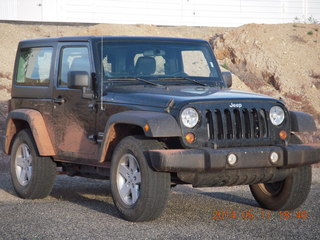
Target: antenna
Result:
[101, 74]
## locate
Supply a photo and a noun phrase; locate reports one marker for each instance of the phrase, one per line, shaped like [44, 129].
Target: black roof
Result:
[105, 38]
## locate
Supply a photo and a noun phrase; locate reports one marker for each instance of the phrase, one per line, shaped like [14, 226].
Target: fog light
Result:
[274, 157]
[190, 138]
[283, 134]
[232, 159]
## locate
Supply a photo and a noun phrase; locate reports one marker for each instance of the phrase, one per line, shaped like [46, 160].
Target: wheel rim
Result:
[272, 189]
[23, 164]
[128, 179]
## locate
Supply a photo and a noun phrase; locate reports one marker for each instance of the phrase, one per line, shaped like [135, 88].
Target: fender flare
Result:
[37, 126]
[159, 125]
[302, 122]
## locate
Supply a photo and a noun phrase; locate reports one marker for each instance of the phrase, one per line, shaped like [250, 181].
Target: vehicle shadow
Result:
[6, 185]
[96, 195]
[229, 197]
[89, 193]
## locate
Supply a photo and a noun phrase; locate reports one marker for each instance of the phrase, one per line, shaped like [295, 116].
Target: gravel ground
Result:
[81, 208]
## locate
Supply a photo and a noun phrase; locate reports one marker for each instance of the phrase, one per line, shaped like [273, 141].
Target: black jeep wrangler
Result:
[148, 113]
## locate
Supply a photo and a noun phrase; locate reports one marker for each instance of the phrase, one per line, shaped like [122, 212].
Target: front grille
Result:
[237, 124]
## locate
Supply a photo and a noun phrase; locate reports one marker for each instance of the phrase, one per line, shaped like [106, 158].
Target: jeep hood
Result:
[160, 96]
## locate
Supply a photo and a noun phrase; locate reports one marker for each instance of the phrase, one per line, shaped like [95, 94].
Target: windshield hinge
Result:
[169, 106]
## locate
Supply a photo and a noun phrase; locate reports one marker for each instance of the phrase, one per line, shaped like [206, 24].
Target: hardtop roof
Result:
[105, 38]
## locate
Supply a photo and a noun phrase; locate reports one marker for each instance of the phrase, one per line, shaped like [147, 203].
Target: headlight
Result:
[276, 115]
[189, 117]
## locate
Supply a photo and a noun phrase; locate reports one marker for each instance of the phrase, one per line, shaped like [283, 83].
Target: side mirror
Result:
[227, 77]
[78, 79]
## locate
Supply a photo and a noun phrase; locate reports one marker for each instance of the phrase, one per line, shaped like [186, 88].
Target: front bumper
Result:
[209, 160]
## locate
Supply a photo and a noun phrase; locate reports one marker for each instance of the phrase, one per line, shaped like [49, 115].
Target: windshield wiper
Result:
[138, 79]
[184, 78]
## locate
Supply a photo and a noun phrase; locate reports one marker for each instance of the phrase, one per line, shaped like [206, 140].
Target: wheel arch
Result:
[149, 124]
[22, 118]
[302, 122]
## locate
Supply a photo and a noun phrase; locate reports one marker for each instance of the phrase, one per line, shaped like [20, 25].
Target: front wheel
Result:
[288, 194]
[32, 175]
[138, 192]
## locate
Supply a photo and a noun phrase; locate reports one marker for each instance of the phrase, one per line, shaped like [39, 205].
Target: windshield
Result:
[159, 62]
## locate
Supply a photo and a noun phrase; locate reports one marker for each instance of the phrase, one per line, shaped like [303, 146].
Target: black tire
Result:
[32, 175]
[144, 201]
[288, 194]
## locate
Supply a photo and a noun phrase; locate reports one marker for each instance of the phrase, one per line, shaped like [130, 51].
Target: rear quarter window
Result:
[34, 66]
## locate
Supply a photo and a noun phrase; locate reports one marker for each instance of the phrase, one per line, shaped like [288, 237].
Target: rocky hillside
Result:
[282, 60]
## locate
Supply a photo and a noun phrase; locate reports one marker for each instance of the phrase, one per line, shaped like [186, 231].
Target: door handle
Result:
[92, 107]
[59, 100]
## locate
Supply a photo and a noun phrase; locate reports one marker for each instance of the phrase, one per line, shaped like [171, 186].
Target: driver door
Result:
[74, 117]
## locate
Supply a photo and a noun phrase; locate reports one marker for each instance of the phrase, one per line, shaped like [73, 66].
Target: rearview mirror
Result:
[227, 77]
[78, 79]
[153, 52]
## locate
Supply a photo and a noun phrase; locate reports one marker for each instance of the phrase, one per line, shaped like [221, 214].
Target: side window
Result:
[34, 66]
[195, 63]
[73, 59]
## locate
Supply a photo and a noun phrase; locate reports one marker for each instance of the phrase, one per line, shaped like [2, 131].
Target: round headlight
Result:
[276, 115]
[189, 117]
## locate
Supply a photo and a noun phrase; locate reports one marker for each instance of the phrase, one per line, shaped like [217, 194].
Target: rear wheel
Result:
[138, 192]
[32, 175]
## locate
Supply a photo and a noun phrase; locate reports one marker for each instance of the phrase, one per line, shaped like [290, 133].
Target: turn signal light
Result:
[146, 128]
[283, 135]
[190, 138]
